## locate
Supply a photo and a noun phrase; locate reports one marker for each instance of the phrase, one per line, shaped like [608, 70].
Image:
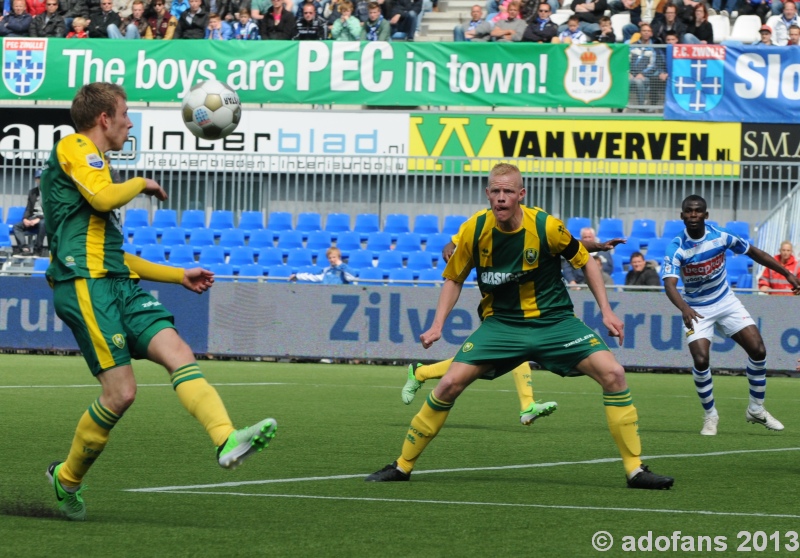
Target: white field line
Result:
[492, 504]
[460, 470]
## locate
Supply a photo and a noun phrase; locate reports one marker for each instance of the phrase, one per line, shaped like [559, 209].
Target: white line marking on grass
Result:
[460, 470]
[249, 384]
[493, 504]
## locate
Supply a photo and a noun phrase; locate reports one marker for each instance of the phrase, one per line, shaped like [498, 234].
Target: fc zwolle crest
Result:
[588, 76]
[23, 64]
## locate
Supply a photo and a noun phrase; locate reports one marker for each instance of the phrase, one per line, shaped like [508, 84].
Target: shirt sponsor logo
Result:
[151, 304]
[704, 268]
[95, 161]
[499, 278]
[579, 340]
[69, 261]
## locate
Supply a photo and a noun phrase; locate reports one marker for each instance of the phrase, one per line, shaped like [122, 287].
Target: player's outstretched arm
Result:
[594, 279]
[596, 246]
[447, 300]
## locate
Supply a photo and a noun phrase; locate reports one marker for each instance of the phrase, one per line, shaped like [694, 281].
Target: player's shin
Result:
[424, 427]
[623, 422]
[522, 379]
[202, 401]
[91, 437]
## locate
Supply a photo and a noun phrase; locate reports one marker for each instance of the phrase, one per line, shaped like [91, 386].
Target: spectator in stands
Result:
[162, 25]
[278, 24]
[70, 9]
[79, 25]
[761, 8]
[193, 22]
[347, 27]
[228, 10]
[669, 21]
[510, 30]
[245, 29]
[794, 36]
[32, 223]
[572, 34]
[589, 12]
[404, 17]
[311, 26]
[542, 29]
[318, 7]
[644, 65]
[606, 34]
[337, 273]
[700, 31]
[17, 23]
[772, 280]
[99, 22]
[590, 240]
[178, 7]
[376, 28]
[50, 23]
[476, 29]
[731, 6]
[35, 7]
[641, 11]
[217, 29]
[766, 36]
[788, 18]
[135, 25]
[641, 274]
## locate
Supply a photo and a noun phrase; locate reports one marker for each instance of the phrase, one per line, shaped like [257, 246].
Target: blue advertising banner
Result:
[733, 83]
[28, 319]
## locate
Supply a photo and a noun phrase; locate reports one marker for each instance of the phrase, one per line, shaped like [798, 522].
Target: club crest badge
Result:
[698, 73]
[23, 64]
[588, 76]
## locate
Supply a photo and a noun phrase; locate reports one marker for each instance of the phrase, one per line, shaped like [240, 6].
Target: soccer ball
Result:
[211, 110]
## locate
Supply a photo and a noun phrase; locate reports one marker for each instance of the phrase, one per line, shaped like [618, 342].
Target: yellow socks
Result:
[424, 427]
[432, 371]
[91, 437]
[202, 401]
[623, 422]
[522, 379]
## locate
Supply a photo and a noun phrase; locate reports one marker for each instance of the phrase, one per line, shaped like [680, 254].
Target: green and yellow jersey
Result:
[519, 273]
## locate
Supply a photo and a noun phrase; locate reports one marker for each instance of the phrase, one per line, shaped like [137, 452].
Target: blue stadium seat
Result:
[390, 259]
[241, 255]
[279, 221]
[379, 241]
[199, 238]
[739, 228]
[299, 257]
[401, 277]
[222, 272]
[672, 228]
[644, 230]
[657, 249]
[182, 256]
[290, 240]
[231, 238]
[452, 223]
[134, 218]
[154, 253]
[575, 224]
[745, 281]
[736, 266]
[250, 273]
[396, 224]
[619, 277]
[144, 236]
[5, 237]
[623, 251]
[308, 222]
[348, 241]
[408, 242]
[40, 265]
[221, 219]
[417, 261]
[173, 236]
[210, 255]
[426, 276]
[336, 223]
[250, 221]
[193, 219]
[610, 228]
[269, 256]
[366, 223]
[374, 275]
[164, 218]
[127, 247]
[279, 273]
[319, 242]
[360, 258]
[436, 242]
[260, 239]
[425, 225]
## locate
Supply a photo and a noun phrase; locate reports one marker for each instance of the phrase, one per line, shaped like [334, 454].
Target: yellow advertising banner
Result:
[596, 146]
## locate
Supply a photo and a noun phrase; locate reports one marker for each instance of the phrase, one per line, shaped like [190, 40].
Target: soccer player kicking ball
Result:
[527, 315]
[96, 294]
[698, 254]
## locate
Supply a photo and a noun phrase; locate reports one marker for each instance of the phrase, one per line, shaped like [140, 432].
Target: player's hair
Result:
[693, 198]
[92, 100]
[333, 250]
[502, 169]
[637, 255]
[605, 19]
[79, 21]
[345, 5]
[574, 18]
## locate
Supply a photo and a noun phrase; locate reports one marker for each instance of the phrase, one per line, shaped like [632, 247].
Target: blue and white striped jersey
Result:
[701, 263]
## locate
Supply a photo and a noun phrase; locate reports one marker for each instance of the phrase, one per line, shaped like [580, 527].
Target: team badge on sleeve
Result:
[95, 161]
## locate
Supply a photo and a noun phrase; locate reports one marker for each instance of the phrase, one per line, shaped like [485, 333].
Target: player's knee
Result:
[758, 353]
[700, 362]
[448, 389]
[612, 378]
[121, 399]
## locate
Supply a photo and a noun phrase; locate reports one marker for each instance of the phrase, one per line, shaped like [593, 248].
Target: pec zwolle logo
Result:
[588, 76]
[698, 73]
[23, 64]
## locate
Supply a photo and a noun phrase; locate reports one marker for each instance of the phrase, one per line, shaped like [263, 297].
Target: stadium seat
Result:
[390, 259]
[312, 269]
[657, 249]
[739, 228]
[408, 242]
[241, 255]
[173, 236]
[319, 242]
[435, 244]
[250, 221]
[618, 22]
[127, 247]
[746, 29]
[279, 273]
[144, 236]
[644, 230]
[299, 257]
[417, 261]
[619, 277]
[154, 253]
[221, 219]
[251, 273]
[427, 277]
[623, 251]
[279, 221]
[210, 255]
[269, 256]
[182, 256]
[222, 272]
[771, 21]
[231, 238]
[193, 219]
[559, 17]
[401, 277]
[164, 218]
[736, 266]
[360, 258]
[452, 223]
[610, 228]
[745, 281]
[721, 26]
[134, 218]
[290, 240]
[199, 238]
[379, 241]
[336, 223]
[308, 222]
[396, 224]
[5, 237]
[40, 265]
[366, 223]
[371, 275]
[575, 224]
[348, 241]
[672, 228]
[260, 239]
[425, 225]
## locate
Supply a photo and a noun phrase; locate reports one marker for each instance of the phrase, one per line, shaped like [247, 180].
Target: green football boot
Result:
[412, 385]
[537, 410]
[70, 504]
[245, 442]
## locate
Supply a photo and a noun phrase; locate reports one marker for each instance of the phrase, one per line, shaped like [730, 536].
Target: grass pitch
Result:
[487, 486]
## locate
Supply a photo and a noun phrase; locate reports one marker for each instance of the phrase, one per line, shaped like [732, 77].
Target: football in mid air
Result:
[211, 110]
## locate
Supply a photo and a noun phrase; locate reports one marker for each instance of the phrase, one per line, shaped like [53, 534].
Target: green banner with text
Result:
[325, 72]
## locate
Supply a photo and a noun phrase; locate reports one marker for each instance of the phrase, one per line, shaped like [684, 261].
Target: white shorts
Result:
[729, 315]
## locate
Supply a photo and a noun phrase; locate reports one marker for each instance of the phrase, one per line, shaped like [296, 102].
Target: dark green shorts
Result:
[557, 344]
[112, 319]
